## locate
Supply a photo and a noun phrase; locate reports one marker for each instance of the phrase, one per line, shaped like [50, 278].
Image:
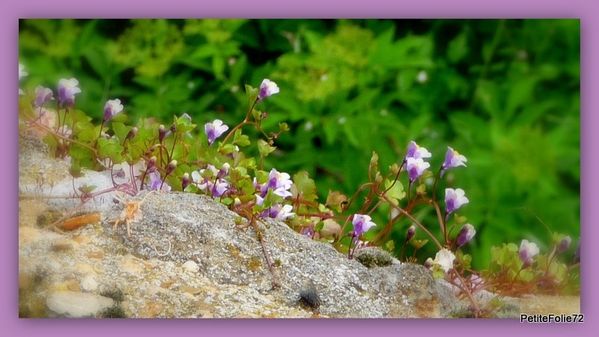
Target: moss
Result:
[113, 312]
[254, 263]
[47, 218]
[373, 257]
[233, 250]
[115, 294]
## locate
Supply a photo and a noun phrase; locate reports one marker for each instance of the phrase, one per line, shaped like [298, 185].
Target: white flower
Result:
[453, 159]
[362, 223]
[67, 89]
[267, 88]
[214, 130]
[444, 259]
[416, 167]
[112, 108]
[416, 151]
[284, 213]
[454, 199]
[528, 250]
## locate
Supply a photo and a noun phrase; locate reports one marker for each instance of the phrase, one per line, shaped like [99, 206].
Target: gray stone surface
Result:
[189, 257]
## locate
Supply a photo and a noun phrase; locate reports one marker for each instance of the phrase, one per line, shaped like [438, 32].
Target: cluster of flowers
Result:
[280, 184]
[215, 185]
[416, 165]
[66, 91]
[212, 180]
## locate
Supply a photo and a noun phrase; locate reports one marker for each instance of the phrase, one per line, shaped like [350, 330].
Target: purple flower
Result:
[362, 223]
[453, 159]
[564, 244]
[308, 231]
[454, 199]
[267, 88]
[156, 182]
[42, 96]
[218, 188]
[416, 167]
[528, 250]
[214, 130]
[67, 89]
[465, 235]
[112, 108]
[279, 212]
[212, 183]
[415, 151]
[278, 182]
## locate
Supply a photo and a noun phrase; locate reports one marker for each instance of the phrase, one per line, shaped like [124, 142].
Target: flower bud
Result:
[132, 133]
[428, 264]
[185, 181]
[466, 234]
[528, 250]
[410, 233]
[223, 171]
[173, 128]
[564, 244]
[171, 167]
[161, 133]
[152, 163]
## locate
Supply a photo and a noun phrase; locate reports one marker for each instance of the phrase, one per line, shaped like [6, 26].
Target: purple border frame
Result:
[12, 10]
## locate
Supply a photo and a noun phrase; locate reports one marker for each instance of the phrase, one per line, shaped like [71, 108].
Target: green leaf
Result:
[227, 149]
[240, 139]
[251, 94]
[303, 186]
[396, 192]
[458, 48]
[264, 148]
[120, 130]
[110, 148]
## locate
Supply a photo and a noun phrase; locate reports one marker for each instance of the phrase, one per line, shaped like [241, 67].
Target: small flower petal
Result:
[267, 88]
[416, 167]
[214, 130]
[453, 159]
[67, 89]
[444, 259]
[415, 151]
[528, 250]
[112, 108]
[454, 199]
[362, 223]
[42, 96]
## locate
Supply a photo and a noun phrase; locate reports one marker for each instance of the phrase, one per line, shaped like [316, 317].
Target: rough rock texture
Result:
[190, 257]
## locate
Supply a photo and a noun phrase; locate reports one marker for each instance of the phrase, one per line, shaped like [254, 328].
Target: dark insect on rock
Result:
[309, 297]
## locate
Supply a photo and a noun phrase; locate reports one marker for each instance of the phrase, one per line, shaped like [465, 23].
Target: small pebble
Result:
[89, 284]
[191, 266]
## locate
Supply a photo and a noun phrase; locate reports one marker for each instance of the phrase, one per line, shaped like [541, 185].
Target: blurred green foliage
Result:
[505, 93]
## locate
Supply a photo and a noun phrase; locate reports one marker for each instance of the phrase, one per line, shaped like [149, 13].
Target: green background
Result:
[505, 93]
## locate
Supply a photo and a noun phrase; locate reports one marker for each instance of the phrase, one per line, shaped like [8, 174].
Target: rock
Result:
[76, 304]
[191, 266]
[89, 284]
[187, 256]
